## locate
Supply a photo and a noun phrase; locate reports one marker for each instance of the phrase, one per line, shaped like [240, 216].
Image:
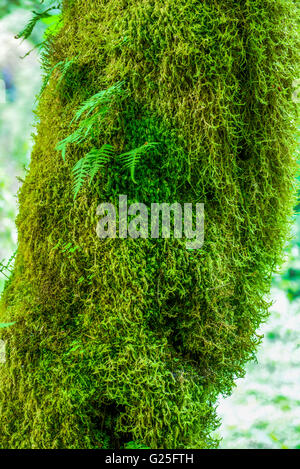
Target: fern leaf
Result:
[48, 76]
[89, 166]
[80, 173]
[6, 269]
[131, 159]
[98, 158]
[3, 269]
[64, 67]
[93, 110]
[6, 324]
[10, 260]
[26, 32]
[76, 137]
[103, 99]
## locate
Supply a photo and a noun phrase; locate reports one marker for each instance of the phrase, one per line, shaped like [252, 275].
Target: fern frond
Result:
[75, 137]
[131, 159]
[84, 130]
[2, 270]
[6, 269]
[63, 66]
[98, 158]
[101, 99]
[54, 23]
[10, 260]
[80, 174]
[66, 248]
[88, 167]
[6, 324]
[93, 110]
[37, 16]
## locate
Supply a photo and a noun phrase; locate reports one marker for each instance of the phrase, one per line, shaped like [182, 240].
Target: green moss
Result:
[132, 341]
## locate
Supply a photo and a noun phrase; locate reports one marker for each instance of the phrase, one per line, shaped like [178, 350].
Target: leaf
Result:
[64, 67]
[103, 98]
[54, 23]
[80, 173]
[6, 269]
[26, 32]
[75, 138]
[89, 166]
[90, 113]
[7, 324]
[67, 247]
[132, 158]
[98, 159]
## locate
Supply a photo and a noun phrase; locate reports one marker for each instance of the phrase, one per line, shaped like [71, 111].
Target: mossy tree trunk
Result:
[133, 340]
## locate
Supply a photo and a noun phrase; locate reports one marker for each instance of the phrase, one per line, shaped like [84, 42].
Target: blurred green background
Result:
[264, 409]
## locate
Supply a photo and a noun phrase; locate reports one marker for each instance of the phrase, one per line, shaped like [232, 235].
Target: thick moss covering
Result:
[133, 340]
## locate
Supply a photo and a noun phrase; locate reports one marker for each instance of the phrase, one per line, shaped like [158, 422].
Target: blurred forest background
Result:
[264, 409]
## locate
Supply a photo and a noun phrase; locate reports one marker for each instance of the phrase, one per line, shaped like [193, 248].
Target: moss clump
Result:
[133, 340]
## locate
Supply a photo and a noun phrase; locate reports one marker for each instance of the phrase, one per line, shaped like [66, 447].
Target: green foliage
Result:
[7, 324]
[90, 116]
[53, 23]
[161, 331]
[89, 166]
[6, 269]
[135, 445]
[131, 159]
[97, 158]
[98, 105]
[37, 16]
[63, 67]
[67, 248]
[101, 100]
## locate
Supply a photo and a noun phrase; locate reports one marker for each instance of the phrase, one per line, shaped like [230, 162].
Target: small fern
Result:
[6, 269]
[37, 16]
[53, 23]
[88, 167]
[92, 112]
[75, 138]
[67, 248]
[6, 324]
[63, 66]
[131, 159]
[101, 99]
